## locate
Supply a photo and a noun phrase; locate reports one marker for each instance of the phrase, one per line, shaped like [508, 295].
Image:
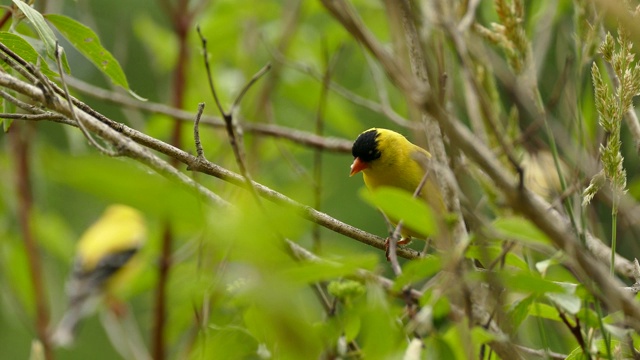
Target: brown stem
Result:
[182, 21]
[20, 147]
[160, 302]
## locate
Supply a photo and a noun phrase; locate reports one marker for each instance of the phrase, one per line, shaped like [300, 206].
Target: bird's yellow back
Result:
[119, 229]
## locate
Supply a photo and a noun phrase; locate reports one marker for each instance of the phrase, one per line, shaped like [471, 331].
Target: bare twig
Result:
[196, 131]
[247, 86]
[205, 55]
[294, 135]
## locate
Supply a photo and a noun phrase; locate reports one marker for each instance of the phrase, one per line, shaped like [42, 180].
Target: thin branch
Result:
[205, 56]
[248, 85]
[196, 131]
[469, 16]
[294, 135]
[21, 104]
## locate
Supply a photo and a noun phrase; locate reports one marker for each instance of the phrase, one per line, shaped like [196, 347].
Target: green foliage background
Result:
[228, 261]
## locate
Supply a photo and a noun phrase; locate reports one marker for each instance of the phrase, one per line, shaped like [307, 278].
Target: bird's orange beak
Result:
[357, 166]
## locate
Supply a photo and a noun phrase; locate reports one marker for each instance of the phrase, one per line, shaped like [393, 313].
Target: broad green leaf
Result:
[88, 44]
[520, 310]
[481, 336]
[310, 272]
[544, 311]
[589, 317]
[522, 230]
[568, 302]
[438, 348]
[24, 49]
[529, 283]
[352, 325]
[399, 204]
[44, 31]
[417, 270]
[576, 354]
[37, 21]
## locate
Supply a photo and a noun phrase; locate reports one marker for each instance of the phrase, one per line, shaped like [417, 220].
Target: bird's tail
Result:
[64, 334]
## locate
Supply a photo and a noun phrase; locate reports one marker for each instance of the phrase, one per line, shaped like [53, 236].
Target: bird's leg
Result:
[117, 306]
[404, 240]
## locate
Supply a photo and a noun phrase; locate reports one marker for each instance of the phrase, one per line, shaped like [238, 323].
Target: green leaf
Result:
[417, 270]
[522, 230]
[529, 283]
[352, 325]
[481, 336]
[88, 44]
[544, 311]
[568, 302]
[310, 272]
[399, 204]
[438, 348]
[576, 354]
[520, 311]
[44, 31]
[23, 48]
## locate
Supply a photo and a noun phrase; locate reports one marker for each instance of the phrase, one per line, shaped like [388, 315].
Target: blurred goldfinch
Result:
[387, 158]
[103, 255]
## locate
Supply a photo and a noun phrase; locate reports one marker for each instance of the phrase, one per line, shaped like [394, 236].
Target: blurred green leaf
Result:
[544, 311]
[88, 43]
[438, 348]
[520, 310]
[352, 325]
[568, 301]
[529, 283]
[399, 204]
[310, 272]
[417, 270]
[522, 230]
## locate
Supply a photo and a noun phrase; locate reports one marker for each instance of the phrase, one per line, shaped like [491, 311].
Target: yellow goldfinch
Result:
[387, 158]
[103, 254]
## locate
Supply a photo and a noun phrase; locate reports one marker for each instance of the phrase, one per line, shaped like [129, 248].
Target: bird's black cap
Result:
[366, 146]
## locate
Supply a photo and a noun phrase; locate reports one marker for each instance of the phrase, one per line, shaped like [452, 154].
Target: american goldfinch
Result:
[387, 158]
[103, 255]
